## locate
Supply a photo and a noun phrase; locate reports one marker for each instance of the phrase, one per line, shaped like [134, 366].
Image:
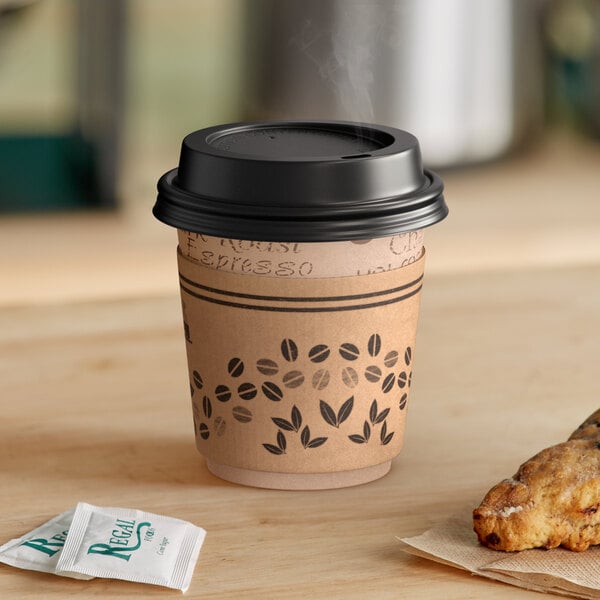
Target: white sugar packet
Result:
[40, 549]
[123, 543]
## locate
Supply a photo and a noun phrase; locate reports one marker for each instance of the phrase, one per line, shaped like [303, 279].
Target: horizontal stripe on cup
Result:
[305, 309]
[299, 298]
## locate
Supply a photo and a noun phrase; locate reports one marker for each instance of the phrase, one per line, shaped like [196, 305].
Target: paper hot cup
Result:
[300, 351]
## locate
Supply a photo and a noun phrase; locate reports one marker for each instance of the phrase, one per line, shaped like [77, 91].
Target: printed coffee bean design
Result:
[349, 377]
[207, 407]
[403, 399]
[293, 379]
[402, 379]
[197, 380]
[247, 391]
[319, 353]
[320, 379]
[220, 426]
[235, 367]
[223, 393]
[267, 367]
[294, 426]
[242, 414]
[203, 431]
[272, 391]
[289, 350]
[391, 358]
[374, 345]
[349, 351]
[373, 373]
[388, 383]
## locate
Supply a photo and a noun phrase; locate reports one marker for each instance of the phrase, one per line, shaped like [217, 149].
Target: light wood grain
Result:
[96, 408]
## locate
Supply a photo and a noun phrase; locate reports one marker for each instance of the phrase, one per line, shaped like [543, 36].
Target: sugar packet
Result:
[40, 549]
[129, 544]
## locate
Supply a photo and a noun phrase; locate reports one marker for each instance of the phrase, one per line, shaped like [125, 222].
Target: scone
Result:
[553, 499]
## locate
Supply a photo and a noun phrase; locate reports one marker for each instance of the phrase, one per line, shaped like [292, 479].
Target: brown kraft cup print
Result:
[301, 265]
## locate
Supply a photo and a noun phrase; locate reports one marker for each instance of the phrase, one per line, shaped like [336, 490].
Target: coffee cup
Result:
[301, 265]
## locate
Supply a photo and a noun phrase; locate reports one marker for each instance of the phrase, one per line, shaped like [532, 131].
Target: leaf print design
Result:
[381, 416]
[316, 442]
[377, 417]
[328, 413]
[283, 424]
[280, 447]
[281, 440]
[384, 436]
[296, 417]
[408, 356]
[373, 411]
[273, 449]
[345, 410]
[364, 438]
[330, 416]
[305, 436]
[293, 424]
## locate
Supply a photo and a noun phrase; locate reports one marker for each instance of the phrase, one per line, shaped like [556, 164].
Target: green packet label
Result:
[40, 549]
[133, 545]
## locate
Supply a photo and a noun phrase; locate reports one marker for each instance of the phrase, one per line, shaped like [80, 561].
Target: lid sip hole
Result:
[356, 156]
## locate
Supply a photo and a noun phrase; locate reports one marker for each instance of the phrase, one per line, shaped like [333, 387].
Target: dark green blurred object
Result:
[78, 167]
[46, 173]
[572, 32]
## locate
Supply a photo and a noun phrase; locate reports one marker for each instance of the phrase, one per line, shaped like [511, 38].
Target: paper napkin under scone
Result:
[557, 571]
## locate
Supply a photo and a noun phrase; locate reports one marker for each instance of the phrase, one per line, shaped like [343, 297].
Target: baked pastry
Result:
[553, 499]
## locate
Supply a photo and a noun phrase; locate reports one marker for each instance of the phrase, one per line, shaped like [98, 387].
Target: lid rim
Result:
[304, 180]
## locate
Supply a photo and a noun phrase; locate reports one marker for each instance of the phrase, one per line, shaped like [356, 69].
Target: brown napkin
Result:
[557, 571]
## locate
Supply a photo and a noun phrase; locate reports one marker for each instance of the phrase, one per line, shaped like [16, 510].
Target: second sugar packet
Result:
[133, 545]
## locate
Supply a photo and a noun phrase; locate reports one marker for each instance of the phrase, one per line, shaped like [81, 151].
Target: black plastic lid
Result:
[300, 181]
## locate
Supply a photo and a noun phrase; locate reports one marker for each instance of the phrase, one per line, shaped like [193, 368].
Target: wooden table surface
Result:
[96, 408]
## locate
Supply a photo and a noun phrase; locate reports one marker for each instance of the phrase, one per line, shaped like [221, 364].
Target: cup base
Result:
[299, 481]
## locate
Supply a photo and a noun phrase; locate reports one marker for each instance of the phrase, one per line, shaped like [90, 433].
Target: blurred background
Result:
[96, 96]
